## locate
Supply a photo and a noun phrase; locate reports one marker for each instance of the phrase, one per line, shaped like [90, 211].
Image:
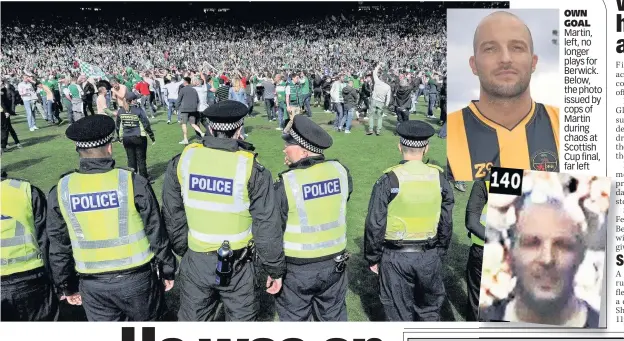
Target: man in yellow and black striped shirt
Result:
[505, 127]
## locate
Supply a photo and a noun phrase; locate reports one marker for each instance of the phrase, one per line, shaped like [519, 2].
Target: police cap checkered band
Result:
[414, 143]
[227, 126]
[305, 144]
[96, 143]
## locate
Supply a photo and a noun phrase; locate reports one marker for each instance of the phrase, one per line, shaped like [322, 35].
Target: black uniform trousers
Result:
[132, 296]
[473, 281]
[199, 295]
[411, 285]
[136, 150]
[314, 287]
[28, 297]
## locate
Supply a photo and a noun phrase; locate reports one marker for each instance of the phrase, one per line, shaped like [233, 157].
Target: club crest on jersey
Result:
[321, 189]
[545, 161]
[211, 184]
[94, 201]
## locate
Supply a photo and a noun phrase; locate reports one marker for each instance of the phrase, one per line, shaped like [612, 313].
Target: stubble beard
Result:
[504, 91]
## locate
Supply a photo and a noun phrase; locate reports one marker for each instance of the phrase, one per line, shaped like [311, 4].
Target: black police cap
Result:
[226, 115]
[308, 135]
[92, 131]
[415, 133]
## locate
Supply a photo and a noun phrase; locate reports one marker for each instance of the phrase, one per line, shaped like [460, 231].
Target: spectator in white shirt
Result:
[381, 97]
[337, 102]
[29, 97]
[172, 96]
[202, 92]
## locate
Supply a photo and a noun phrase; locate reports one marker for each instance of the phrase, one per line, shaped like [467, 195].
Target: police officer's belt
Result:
[236, 254]
[18, 277]
[140, 269]
[408, 246]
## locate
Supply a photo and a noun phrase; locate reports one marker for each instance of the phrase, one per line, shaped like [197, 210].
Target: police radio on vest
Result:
[321, 189]
[94, 201]
[210, 184]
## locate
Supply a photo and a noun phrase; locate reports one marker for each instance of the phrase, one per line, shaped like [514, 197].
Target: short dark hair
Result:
[224, 134]
[187, 79]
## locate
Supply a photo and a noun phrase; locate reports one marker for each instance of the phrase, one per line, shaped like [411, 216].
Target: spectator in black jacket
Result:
[7, 128]
[187, 103]
[442, 100]
[365, 94]
[12, 95]
[403, 100]
[317, 82]
[350, 97]
[326, 88]
[87, 101]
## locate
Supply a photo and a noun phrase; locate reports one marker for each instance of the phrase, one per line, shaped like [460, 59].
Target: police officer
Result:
[214, 192]
[27, 290]
[476, 211]
[408, 229]
[312, 199]
[133, 127]
[104, 224]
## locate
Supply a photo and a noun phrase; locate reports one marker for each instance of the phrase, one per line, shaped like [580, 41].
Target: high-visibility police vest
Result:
[216, 199]
[413, 215]
[483, 220]
[317, 207]
[131, 124]
[18, 244]
[105, 228]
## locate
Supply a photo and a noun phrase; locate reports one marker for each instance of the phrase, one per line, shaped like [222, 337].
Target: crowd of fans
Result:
[336, 54]
[351, 42]
[330, 50]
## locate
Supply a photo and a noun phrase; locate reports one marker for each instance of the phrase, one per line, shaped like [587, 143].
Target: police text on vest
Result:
[321, 189]
[94, 201]
[210, 184]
